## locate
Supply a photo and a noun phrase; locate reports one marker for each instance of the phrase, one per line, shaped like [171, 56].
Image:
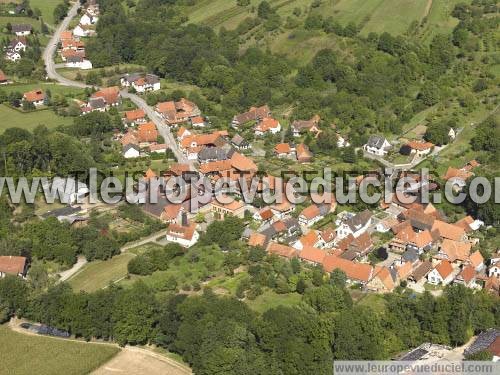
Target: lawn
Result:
[54, 88]
[12, 118]
[98, 274]
[270, 299]
[47, 8]
[439, 20]
[23, 354]
[18, 20]
[394, 16]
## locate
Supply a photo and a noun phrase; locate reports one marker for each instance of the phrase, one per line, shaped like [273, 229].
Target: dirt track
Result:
[133, 361]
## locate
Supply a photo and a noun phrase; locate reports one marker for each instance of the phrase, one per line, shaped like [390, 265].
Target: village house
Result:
[284, 150]
[87, 19]
[283, 209]
[359, 247]
[158, 148]
[354, 225]
[183, 133]
[281, 250]
[312, 255]
[418, 148]
[253, 114]
[22, 29]
[312, 214]
[15, 48]
[383, 281]
[13, 265]
[175, 113]
[300, 127]
[184, 234]
[265, 215]
[103, 99]
[83, 31]
[257, 240]
[377, 145]
[407, 238]
[191, 145]
[69, 53]
[141, 82]
[328, 237]
[304, 155]
[134, 117]
[441, 274]
[355, 272]
[131, 151]
[457, 177]
[341, 141]
[147, 133]
[311, 239]
[449, 231]
[467, 277]
[240, 143]
[233, 208]
[172, 213]
[198, 122]
[35, 97]
[267, 125]
[78, 62]
[454, 251]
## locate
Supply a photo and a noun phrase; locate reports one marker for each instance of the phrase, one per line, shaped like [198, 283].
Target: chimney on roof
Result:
[184, 219]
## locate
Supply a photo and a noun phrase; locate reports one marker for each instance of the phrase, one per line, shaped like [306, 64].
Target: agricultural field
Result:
[24, 354]
[11, 117]
[99, 274]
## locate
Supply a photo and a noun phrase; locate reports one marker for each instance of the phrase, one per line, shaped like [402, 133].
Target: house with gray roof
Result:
[377, 145]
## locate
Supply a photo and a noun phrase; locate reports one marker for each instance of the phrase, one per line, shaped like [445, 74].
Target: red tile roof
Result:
[179, 231]
[111, 95]
[281, 250]
[282, 148]
[310, 212]
[257, 239]
[419, 145]
[12, 265]
[444, 268]
[267, 124]
[134, 115]
[304, 155]
[34, 96]
[450, 231]
[455, 250]
[457, 173]
[147, 132]
[354, 271]
[312, 254]
[467, 273]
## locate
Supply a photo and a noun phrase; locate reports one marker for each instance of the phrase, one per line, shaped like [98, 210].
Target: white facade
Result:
[377, 151]
[494, 270]
[23, 33]
[84, 65]
[146, 87]
[87, 19]
[20, 46]
[131, 153]
[435, 278]
[13, 56]
[184, 242]
[80, 31]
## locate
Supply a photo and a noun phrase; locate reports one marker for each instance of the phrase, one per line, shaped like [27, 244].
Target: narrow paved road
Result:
[50, 66]
[65, 275]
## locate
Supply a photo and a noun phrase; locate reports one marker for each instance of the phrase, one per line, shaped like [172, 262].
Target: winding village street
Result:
[50, 66]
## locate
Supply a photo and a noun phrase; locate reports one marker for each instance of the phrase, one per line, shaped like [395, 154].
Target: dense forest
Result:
[223, 335]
